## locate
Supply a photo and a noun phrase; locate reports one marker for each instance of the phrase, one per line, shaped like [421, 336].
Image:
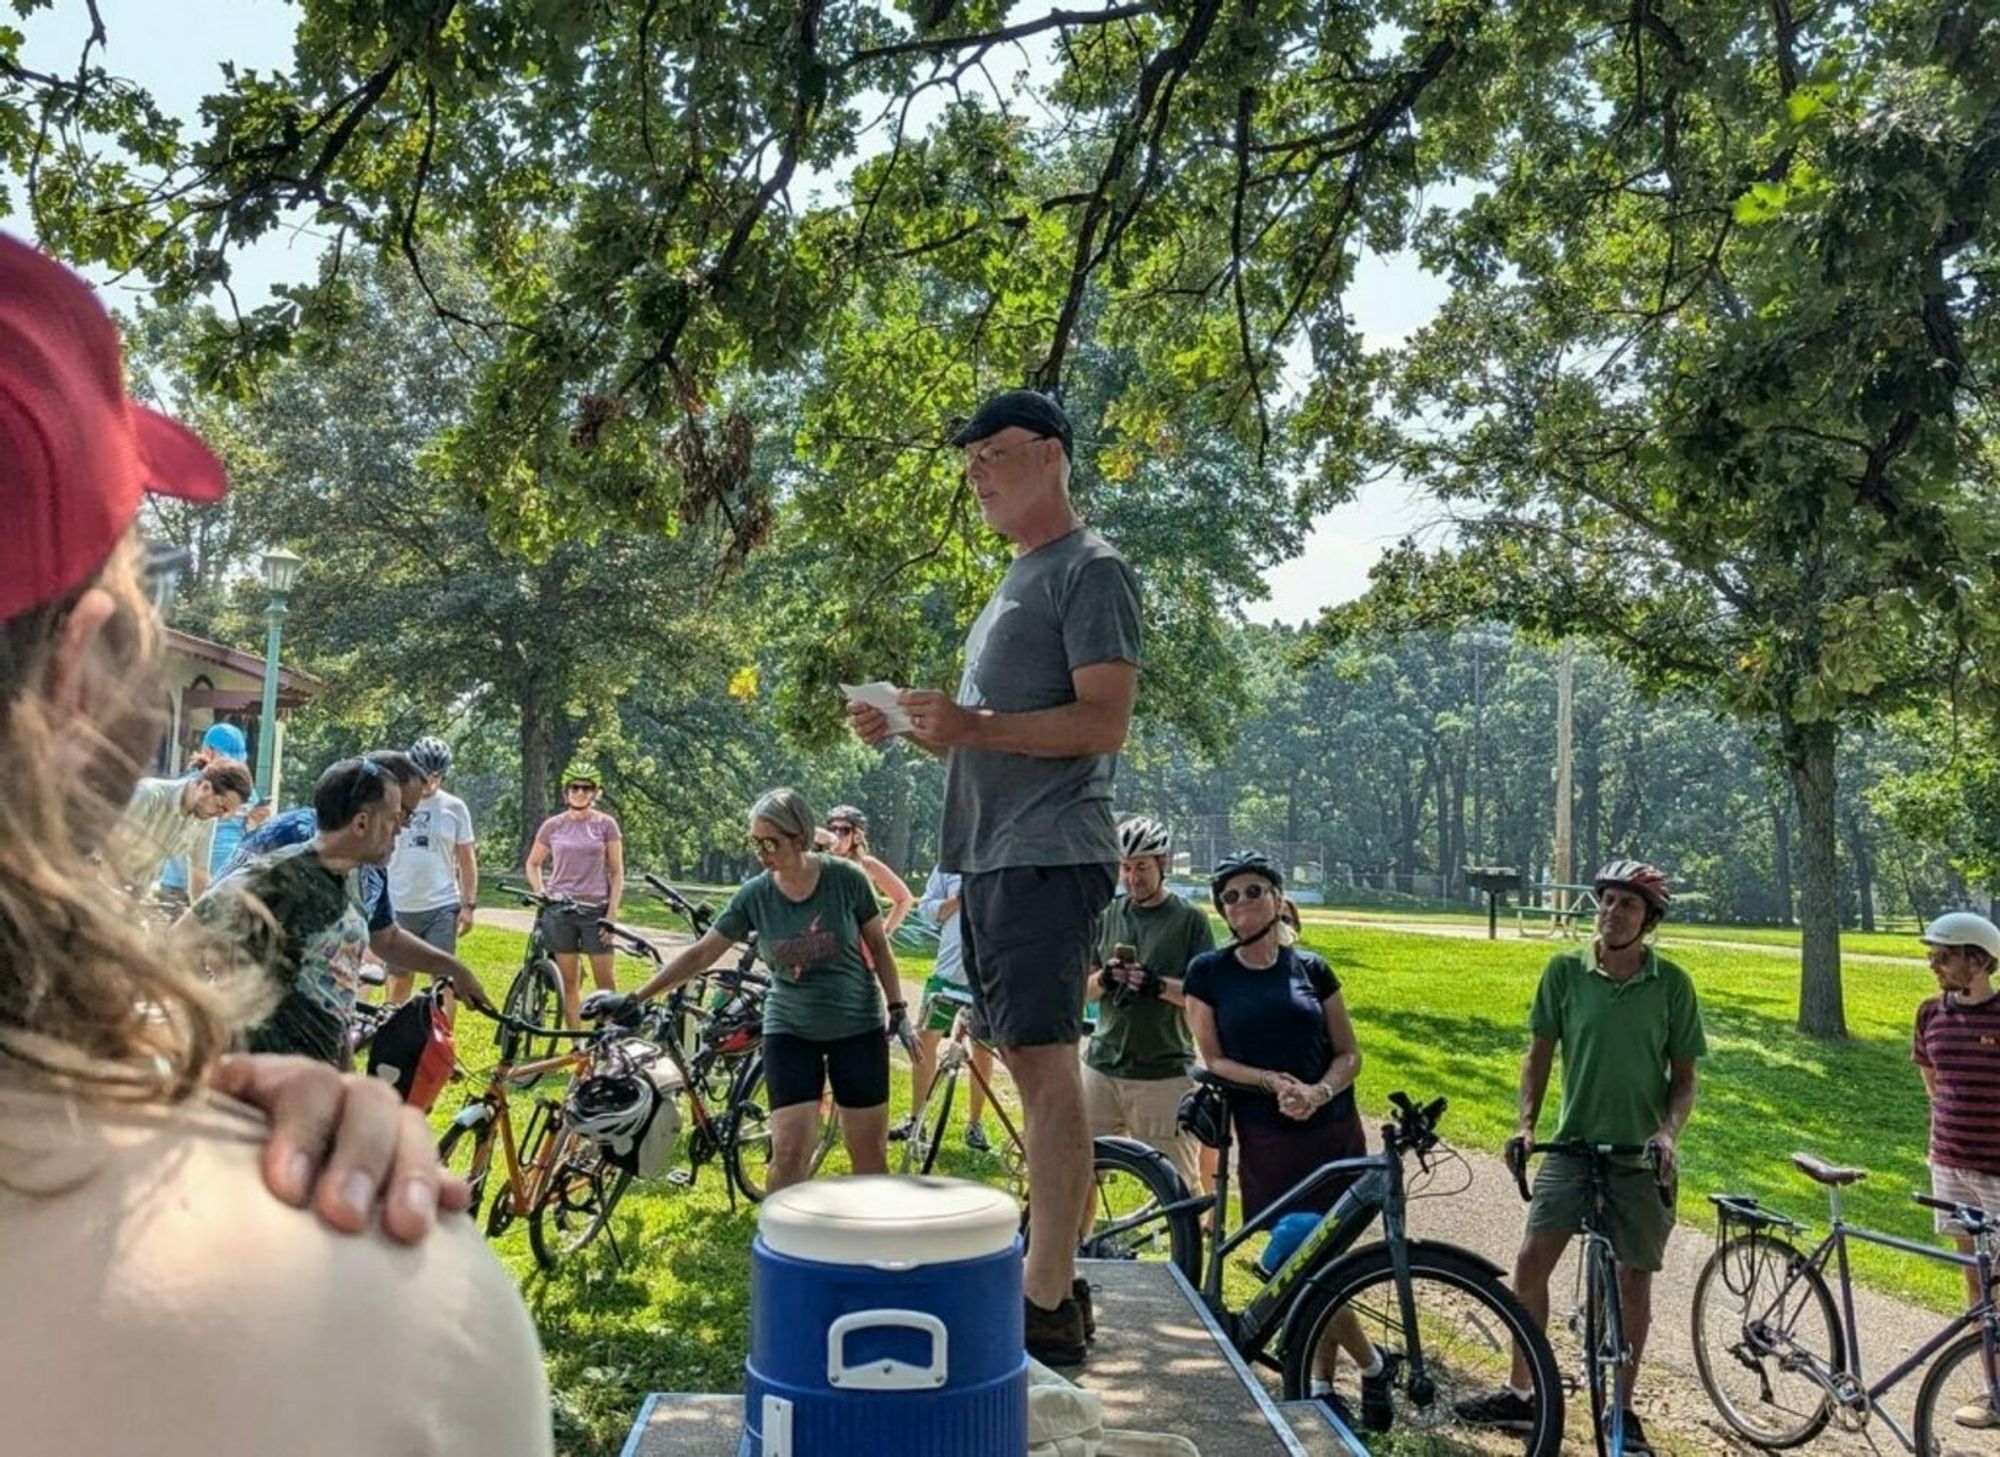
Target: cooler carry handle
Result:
[885, 1375]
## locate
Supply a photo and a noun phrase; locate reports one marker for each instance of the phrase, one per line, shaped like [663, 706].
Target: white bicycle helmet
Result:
[432, 754]
[1142, 835]
[1964, 928]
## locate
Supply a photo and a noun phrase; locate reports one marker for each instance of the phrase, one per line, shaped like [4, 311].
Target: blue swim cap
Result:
[227, 740]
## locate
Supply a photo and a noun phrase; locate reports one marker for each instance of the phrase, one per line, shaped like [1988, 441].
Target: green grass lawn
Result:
[1434, 1014]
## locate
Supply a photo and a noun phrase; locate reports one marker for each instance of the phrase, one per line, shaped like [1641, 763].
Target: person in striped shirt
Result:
[1957, 1050]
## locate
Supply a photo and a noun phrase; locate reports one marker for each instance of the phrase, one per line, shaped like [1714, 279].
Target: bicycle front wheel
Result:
[575, 1204]
[1603, 1349]
[1765, 1337]
[535, 995]
[1460, 1346]
[749, 1132]
[1133, 1187]
[1956, 1404]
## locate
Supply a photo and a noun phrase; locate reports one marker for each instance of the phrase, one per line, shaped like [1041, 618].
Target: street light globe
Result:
[281, 570]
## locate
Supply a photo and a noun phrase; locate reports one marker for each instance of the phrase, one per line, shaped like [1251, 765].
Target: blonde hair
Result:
[88, 998]
[786, 810]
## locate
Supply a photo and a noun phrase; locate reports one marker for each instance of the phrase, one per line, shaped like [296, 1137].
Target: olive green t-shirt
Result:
[820, 986]
[1618, 1042]
[1147, 1038]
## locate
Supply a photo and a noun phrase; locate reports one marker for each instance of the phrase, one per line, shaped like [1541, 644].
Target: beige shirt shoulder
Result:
[158, 1299]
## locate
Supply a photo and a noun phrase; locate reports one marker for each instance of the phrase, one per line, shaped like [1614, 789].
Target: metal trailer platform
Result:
[1159, 1364]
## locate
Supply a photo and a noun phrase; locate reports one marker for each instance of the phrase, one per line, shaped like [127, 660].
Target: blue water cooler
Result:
[885, 1321]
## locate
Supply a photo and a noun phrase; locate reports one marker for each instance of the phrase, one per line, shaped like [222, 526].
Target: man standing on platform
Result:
[1031, 743]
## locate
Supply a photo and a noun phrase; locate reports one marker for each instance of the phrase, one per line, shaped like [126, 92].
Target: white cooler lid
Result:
[890, 1221]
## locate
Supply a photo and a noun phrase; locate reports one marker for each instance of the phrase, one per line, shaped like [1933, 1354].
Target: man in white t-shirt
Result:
[433, 876]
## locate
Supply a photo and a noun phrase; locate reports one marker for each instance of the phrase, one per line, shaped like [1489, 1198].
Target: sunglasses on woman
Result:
[839, 829]
[1248, 893]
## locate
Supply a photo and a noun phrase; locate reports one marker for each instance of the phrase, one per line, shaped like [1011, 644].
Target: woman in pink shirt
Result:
[584, 853]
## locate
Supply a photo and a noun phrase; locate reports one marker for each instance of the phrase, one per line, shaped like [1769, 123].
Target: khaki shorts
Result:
[1637, 1222]
[1962, 1186]
[1145, 1109]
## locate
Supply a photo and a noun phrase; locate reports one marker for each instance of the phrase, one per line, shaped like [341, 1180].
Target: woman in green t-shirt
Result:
[814, 915]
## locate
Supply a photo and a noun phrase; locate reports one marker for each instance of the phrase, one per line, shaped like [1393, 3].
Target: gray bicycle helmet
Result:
[1242, 862]
[1142, 835]
[432, 754]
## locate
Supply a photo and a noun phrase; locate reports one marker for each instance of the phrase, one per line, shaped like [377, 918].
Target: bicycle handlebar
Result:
[1975, 1219]
[1519, 1152]
[1413, 1130]
[545, 901]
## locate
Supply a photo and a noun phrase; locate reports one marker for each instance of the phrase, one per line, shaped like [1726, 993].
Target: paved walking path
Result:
[1468, 932]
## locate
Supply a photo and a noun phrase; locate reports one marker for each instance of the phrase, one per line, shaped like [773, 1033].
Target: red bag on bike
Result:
[414, 1050]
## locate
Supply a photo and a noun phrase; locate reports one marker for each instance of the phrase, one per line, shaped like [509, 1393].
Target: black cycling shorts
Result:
[797, 1068]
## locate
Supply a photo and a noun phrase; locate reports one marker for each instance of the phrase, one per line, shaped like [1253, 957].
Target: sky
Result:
[174, 48]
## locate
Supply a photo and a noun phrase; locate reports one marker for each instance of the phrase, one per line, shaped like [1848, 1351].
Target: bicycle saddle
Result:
[1822, 1172]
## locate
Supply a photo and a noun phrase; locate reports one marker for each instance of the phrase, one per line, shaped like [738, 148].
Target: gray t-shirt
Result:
[1061, 607]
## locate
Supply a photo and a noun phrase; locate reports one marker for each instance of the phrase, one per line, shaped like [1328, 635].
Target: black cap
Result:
[1029, 409]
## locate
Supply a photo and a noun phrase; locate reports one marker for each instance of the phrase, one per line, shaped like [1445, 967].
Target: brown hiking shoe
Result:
[1054, 1337]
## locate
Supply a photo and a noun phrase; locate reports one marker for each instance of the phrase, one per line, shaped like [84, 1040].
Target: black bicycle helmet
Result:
[1242, 862]
[432, 754]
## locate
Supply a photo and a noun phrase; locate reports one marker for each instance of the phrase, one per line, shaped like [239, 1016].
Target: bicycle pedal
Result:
[681, 1178]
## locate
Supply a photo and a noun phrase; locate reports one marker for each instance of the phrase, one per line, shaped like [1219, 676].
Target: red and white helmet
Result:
[1638, 877]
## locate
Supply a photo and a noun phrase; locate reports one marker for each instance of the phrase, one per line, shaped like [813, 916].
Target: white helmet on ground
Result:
[1142, 835]
[1964, 928]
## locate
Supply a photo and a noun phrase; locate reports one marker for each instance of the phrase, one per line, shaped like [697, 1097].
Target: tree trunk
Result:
[1864, 870]
[1781, 859]
[538, 747]
[1809, 751]
[894, 846]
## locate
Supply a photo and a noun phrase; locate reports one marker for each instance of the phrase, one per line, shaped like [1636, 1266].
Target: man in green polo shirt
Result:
[1629, 1028]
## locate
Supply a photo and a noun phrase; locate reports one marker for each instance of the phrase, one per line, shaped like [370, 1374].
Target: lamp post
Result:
[281, 573]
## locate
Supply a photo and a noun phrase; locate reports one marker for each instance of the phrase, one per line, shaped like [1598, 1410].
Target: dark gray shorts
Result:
[569, 933]
[437, 928]
[1029, 930]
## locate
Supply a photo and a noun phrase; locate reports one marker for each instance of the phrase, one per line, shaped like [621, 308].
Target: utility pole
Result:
[1565, 708]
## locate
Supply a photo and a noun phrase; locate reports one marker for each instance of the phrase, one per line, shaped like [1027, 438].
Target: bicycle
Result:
[1441, 1317]
[535, 995]
[730, 1125]
[1597, 1319]
[1779, 1363]
[564, 1189]
[1144, 1210]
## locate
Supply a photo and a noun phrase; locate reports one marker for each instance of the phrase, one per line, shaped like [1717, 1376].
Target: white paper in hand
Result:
[881, 696]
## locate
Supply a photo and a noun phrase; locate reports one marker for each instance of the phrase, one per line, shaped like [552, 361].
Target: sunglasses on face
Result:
[840, 829]
[1248, 893]
[765, 844]
[581, 788]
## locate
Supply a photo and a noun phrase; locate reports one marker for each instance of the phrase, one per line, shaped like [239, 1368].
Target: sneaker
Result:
[1500, 1408]
[975, 1138]
[1635, 1434]
[1337, 1409]
[1977, 1415]
[1378, 1392]
[1079, 1291]
[1054, 1337]
[898, 1132]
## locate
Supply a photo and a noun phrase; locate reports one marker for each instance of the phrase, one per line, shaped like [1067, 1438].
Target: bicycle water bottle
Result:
[886, 1321]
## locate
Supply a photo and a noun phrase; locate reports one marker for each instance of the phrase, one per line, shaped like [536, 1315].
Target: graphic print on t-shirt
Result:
[969, 693]
[810, 947]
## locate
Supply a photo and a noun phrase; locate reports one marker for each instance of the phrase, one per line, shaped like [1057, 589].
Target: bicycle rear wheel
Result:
[920, 1148]
[1467, 1326]
[1133, 1185]
[1603, 1349]
[1764, 1321]
[1956, 1404]
[575, 1203]
[535, 995]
